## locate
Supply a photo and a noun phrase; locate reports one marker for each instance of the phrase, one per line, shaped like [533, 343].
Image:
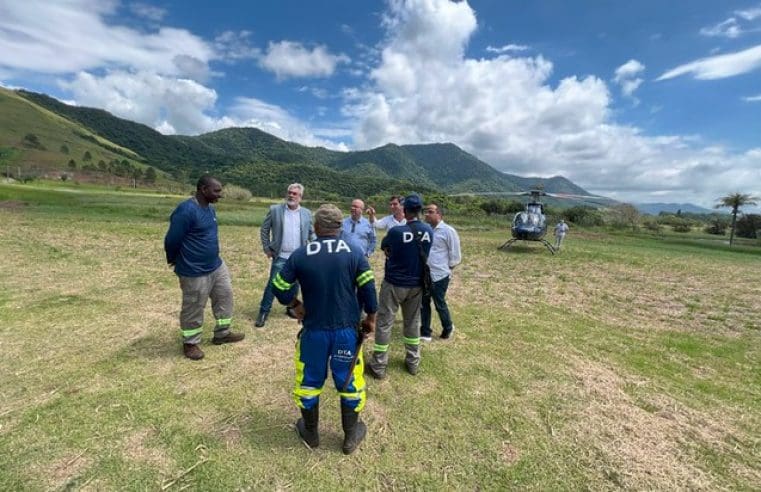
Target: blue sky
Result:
[640, 101]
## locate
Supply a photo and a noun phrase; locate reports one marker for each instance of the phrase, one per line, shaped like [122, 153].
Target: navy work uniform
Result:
[332, 273]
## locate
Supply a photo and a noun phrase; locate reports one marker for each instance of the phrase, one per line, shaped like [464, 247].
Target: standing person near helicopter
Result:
[560, 231]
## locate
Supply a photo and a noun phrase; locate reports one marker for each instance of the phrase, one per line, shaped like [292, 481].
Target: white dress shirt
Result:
[291, 232]
[445, 251]
[388, 222]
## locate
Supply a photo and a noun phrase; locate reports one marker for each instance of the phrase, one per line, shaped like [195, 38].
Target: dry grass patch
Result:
[647, 448]
[136, 449]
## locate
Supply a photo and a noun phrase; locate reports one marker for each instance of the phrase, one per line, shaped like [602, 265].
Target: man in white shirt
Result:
[286, 228]
[560, 231]
[395, 219]
[444, 256]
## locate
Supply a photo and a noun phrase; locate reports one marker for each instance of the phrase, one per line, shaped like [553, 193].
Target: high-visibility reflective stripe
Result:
[380, 348]
[412, 341]
[192, 331]
[280, 284]
[307, 392]
[365, 277]
[352, 396]
[224, 322]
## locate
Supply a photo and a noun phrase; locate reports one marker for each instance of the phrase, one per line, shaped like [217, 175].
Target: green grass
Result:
[625, 361]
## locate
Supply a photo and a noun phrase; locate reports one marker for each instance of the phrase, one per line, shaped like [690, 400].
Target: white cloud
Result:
[508, 48]
[147, 11]
[183, 106]
[234, 46]
[507, 112]
[167, 104]
[248, 111]
[719, 66]
[752, 98]
[291, 59]
[59, 38]
[728, 29]
[749, 14]
[733, 27]
[627, 76]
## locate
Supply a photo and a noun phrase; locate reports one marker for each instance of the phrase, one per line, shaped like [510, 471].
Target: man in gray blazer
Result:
[287, 227]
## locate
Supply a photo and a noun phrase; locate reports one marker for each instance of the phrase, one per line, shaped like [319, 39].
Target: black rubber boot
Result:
[306, 426]
[354, 429]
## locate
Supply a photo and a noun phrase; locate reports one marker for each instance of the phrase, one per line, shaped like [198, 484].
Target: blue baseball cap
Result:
[413, 203]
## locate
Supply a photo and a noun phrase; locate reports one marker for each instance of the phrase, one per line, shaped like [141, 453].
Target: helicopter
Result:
[531, 223]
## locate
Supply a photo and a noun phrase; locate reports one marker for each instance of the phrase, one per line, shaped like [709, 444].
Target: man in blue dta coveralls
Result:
[332, 273]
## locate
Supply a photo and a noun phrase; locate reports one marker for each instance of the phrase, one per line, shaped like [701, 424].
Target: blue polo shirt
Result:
[192, 241]
[361, 232]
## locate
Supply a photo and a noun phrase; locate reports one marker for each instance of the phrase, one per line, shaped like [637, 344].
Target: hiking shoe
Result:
[261, 319]
[411, 369]
[425, 338]
[447, 334]
[192, 351]
[375, 375]
[229, 338]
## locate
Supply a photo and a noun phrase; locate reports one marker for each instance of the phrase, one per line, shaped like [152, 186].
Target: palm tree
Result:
[735, 201]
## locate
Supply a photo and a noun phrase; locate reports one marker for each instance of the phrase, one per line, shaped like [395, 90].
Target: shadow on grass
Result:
[152, 346]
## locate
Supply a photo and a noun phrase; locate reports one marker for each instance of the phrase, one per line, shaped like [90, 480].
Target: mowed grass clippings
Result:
[621, 362]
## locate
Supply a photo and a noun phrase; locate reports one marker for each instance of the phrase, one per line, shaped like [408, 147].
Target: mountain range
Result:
[249, 157]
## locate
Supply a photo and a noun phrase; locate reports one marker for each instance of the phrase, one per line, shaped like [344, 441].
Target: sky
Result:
[645, 101]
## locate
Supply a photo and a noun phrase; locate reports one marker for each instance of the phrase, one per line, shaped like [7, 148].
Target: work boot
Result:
[261, 319]
[192, 351]
[307, 425]
[354, 429]
[291, 313]
[231, 337]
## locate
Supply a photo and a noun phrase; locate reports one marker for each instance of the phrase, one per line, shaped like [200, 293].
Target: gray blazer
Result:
[271, 232]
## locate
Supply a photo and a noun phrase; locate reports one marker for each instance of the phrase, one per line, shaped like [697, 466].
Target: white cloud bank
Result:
[157, 77]
[505, 111]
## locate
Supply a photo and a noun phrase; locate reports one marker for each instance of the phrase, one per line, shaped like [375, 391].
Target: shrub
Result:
[236, 193]
[681, 226]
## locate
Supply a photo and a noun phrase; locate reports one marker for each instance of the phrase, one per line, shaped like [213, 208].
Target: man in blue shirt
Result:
[332, 274]
[192, 247]
[406, 247]
[357, 229]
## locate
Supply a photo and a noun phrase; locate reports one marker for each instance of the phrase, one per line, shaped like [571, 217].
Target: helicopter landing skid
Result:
[544, 241]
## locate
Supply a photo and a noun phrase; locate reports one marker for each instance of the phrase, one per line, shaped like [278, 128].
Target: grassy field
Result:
[623, 362]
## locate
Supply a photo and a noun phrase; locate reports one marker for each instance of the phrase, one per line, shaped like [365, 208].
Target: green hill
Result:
[35, 141]
[266, 164]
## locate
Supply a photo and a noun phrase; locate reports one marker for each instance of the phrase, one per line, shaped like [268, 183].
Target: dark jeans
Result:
[438, 294]
[266, 304]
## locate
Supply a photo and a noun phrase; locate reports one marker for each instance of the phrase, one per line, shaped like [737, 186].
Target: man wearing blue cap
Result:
[406, 247]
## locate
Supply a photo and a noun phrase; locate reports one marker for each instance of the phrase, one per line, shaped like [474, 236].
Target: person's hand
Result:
[296, 310]
[371, 213]
[270, 254]
[368, 324]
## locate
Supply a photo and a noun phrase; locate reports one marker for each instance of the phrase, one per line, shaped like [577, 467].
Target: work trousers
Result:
[438, 294]
[318, 349]
[559, 240]
[195, 292]
[390, 299]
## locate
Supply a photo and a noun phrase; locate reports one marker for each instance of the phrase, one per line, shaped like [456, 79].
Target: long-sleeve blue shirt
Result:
[361, 232]
[332, 273]
[192, 241]
[404, 267]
